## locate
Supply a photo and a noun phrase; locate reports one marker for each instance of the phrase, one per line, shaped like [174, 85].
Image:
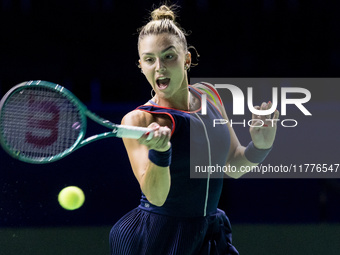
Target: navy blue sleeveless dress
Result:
[189, 222]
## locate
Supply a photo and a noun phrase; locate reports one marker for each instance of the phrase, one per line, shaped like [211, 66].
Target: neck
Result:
[179, 100]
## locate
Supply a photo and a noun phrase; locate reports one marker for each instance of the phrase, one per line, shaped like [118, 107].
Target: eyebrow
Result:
[168, 48]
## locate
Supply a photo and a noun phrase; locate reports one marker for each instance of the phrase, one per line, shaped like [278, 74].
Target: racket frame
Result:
[117, 130]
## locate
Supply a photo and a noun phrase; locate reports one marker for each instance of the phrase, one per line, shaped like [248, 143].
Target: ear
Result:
[140, 66]
[188, 59]
[187, 63]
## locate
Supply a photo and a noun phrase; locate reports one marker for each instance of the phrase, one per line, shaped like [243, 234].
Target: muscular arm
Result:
[153, 180]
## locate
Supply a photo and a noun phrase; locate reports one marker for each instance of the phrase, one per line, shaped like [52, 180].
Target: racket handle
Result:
[133, 132]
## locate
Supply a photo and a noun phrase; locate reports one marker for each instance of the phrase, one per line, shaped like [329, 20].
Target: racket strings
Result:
[41, 122]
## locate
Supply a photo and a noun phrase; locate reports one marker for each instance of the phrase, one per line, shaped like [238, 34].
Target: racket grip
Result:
[133, 132]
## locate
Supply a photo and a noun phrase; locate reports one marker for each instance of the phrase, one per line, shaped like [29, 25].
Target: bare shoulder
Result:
[137, 118]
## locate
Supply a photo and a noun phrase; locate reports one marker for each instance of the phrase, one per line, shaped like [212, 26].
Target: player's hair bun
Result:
[163, 12]
[163, 21]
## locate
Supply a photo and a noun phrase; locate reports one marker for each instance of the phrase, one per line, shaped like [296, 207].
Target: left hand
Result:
[263, 133]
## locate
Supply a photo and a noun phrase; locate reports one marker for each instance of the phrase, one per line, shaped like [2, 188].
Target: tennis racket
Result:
[41, 122]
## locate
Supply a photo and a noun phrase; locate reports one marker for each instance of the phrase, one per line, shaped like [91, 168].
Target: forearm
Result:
[246, 158]
[155, 183]
[239, 162]
[150, 158]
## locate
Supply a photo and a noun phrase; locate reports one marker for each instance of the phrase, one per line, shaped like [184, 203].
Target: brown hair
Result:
[163, 21]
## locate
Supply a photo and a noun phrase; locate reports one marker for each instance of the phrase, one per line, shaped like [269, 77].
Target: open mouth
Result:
[163, 82]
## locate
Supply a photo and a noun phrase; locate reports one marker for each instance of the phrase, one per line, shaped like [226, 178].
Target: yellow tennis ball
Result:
[71, 198]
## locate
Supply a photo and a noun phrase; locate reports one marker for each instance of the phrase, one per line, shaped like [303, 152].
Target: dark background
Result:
[90, 47]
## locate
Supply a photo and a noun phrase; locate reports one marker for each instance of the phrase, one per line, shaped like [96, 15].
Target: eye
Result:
[169, 56]
[149, 60]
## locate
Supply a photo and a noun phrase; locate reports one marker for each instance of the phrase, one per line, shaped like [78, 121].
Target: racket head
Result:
[41, 122]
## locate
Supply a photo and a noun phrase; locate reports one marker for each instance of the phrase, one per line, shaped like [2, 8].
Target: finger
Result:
[166, 136]
[148, 135]
[146, 138]
[276, 114]
[269, 106]
[154, 125]
[263, 106]
[273, 122]
[162, 139]
[258, 124]
[255, 117]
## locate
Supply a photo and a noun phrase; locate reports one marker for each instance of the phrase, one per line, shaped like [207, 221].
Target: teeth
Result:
[162, 78]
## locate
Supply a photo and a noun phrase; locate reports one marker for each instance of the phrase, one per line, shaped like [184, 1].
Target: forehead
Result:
[157, 43]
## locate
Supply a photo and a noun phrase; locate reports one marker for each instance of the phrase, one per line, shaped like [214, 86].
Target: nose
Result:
[160, 67]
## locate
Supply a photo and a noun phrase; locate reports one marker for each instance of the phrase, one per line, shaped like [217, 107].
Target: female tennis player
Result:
[179, 214]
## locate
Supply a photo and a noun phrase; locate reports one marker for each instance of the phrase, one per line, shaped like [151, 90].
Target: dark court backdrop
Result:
[90, 47]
